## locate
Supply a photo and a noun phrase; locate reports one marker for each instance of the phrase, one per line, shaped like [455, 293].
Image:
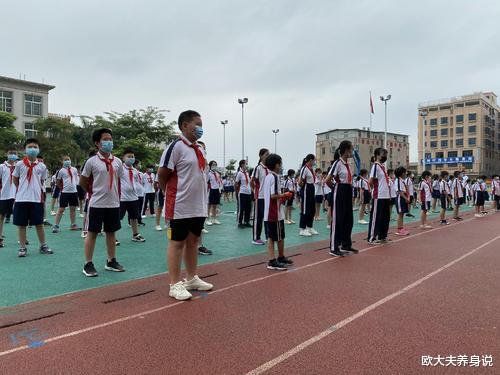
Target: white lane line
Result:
[283, 357]
[161, 308]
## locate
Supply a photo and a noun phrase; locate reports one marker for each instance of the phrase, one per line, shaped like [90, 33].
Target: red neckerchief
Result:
[70, 174]
[314, 176]
[385, 173]
[246, 176]
[109, 168]
[30, 166]
[139, 174]
[365, 180]
[217, 177]
[150, 179]
[131, 175]
[199, 155]
[11, 168]
[349, 175]
[265, 169]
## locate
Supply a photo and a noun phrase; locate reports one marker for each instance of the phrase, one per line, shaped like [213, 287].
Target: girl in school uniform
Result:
[318, 193]
[479, 188]
[380, 213]
[392, 189]
[214, 186]
[307, 179]
[257, 183]
[444, 191]
[327, 191]
[425, 198]
[364, 196]
[435, 192]
[289, 187]
[342, 214]
[411, 191]
[244, 195]
[495, 191]
[355, 193]
[402, 200]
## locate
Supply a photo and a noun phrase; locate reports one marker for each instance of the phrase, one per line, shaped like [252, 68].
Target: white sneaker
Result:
[144, 216]
[364, 222]
[179, 292]
[197, 284]
[204, 231]
[158, 228]
[216, 222]
[82, 216]
[305, 233]
[209, 223]
[478, 215]
[328, 226]
[52, 213]
[292, 222]
[84, 234]
[312, 231]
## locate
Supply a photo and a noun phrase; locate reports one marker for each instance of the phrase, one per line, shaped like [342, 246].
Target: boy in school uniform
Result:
[80, 193]
[274, 217]
[149, 191]
[101, 174]
[140, 191]
[402, 200]
[160, 202]
[364, 196]
[479, 189]
[411, 191]
[129, 200]
[66, 181]
[29, 176]
[392, 188]
[8, 189]
[444, 192]
[495, 191]
[457, 192]
[425, 199]
[183, 178]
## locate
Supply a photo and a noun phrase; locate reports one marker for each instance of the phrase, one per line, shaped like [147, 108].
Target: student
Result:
[230, 188]
[183, 177]
[289, 187]
[149, 191]
[319, 195]
[258, 175]
[355, 193]
[380, 213]
[274, 215]
[402, 200]
[435, 192]
[66, 181]
[392, 189]
[425, 198]
[214, 186]
[140, 192]
[444, 191]
[244, 195]
[342, 213]
[458, 194]
[29, 177]
[327, 191]
[80, 192]
[495, 191]
[478, 189]
[56, 191]
[101, 175]
[364, 196]
[307, 179]
[160, 202]
[39, 158]
[88, 193]
[8, 189]
[129, 200]
[411, 191]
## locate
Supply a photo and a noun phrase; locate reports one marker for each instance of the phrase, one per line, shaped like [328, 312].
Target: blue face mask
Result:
[106, 146]
[198, 132]
[67, 163]
[12, 157]
[32, 152]
[130, 161]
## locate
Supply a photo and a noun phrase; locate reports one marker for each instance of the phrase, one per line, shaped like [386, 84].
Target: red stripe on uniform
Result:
[170, 195]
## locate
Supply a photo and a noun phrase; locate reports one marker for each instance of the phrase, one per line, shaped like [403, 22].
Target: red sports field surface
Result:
[378, 312]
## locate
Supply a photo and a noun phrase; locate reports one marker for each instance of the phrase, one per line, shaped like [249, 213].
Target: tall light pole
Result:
[224, 123]
[243, 102]
[423, 114]
[385, 100]
[276, 131]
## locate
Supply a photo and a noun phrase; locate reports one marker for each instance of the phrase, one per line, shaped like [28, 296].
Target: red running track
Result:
[433, 293]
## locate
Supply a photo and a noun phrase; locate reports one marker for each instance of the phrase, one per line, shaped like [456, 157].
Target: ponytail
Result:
[336, 156]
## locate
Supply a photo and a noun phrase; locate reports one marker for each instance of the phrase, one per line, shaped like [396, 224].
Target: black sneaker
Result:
[350, 249]
[47, 223]
[336, 253]
[1, 242]
[44, 249]
[138, 238]
[22, 252]
[410, 215]
[202, 250]
[114, 266]
[458, 218]
[89, 270]
[117, 243]
[286, 261]
[7, 221]
[248, 225]
[142, 224]
[241, 226]
[444, 222]
[275, 265]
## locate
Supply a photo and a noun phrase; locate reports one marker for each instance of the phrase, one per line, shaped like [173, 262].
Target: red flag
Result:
[371, 103]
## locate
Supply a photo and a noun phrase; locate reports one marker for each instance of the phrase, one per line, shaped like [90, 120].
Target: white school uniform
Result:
[30, 189]
[8, 188]
[381, 188]
[129, 181]
[259, 174]
[148, 180]
[244, 180]
[69, 178]
[273, 209]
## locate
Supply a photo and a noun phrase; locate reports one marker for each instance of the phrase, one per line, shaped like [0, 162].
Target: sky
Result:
[306, 66]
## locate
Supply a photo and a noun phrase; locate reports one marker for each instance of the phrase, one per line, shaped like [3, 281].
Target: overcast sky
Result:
[306, 66]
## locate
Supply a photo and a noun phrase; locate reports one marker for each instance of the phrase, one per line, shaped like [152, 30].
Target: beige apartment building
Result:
[26, 100]
[365, 142]
[460, 133]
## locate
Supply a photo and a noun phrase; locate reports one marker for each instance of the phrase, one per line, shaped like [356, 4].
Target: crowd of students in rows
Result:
[188, 192]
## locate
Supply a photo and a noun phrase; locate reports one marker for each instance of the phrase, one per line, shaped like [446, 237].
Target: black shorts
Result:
[354, 193]
[275, 230]
[426, 206]
[479, 198]
[103, 218]
[80, 192]
[393, 201]
[459, 201]
[401, 205]
[56, 192]
[436, 194]
[289, 203]
[28, 213]
[214, 196]
[6, 207]
[180, 228]
[86, 206]
[367, 197]
[329, 198]
[130, 207]
[318, 198]
[68, 199]
[444, 201]
[412, 199]
[160, 199]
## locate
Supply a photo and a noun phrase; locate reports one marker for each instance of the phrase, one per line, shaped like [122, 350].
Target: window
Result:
[32, 105]
[434, 121]
[459, 118]
[434, 133]
[434, 144]
[444, 120]
[471, 104]
[472, 117]
[467, 153]
[459, 142]
[444, 132]
[323, 151]
[459, 130]
[459, 105]
[472, 141]
[472, 128]
[440, 154]
[452, 154]
[29, 130]
[428, 155]
[444, 143]
[467, 165]
[6, 101]
[453, 165]
[323, 165]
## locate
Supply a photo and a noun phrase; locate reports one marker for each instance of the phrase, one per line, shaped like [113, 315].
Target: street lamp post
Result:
[224, 123]
[276, 131]
[385, 100]
[243, 102]
[424, 114]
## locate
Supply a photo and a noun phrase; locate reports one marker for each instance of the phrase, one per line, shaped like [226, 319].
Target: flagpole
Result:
[371, 114]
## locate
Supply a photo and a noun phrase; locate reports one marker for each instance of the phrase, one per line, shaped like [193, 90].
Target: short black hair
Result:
[11, 148]
[363, 172]
[426, 174]
[272, 160]
[212, 162]
[379, 151]
[444, 174]
[400, 171]
[97, 134]
[456, 173]
[128, 151]
[290, 173]
[31, 140]
[317, 170]
[390, 171]
[40, 156]
[187, 116]
[308, 158]
[483, 177]
[150, 166]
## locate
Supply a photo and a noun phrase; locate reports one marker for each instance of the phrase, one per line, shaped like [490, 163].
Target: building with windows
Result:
[365, 142]
[460, 133]
[26, 100]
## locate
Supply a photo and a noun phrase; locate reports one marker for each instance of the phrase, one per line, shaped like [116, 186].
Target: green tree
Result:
[9, 136]
[231, 166]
